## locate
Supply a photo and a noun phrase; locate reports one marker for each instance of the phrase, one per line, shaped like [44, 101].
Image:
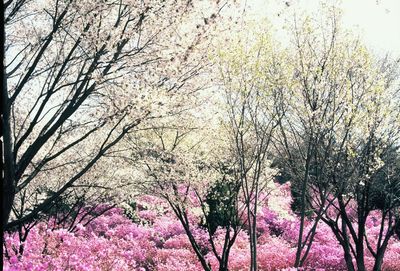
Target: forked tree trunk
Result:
[378, 261]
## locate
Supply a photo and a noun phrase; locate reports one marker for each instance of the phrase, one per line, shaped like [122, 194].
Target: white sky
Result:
[377, 22]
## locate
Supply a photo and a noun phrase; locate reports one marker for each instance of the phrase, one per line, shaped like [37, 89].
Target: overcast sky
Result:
[376, 21]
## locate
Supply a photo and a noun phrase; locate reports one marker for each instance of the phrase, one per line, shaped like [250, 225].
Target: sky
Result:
[377, 22]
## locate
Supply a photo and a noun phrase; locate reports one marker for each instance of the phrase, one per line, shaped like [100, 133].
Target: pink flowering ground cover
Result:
[155, 240]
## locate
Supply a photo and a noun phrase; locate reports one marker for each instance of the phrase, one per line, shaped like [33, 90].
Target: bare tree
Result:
[332, 136]
[305, 137]
[249, 79]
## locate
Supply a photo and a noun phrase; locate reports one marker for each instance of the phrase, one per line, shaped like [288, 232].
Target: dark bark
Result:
[16, 159]
[3, 201]
[181, 215]
[303, 191]
[9, 181]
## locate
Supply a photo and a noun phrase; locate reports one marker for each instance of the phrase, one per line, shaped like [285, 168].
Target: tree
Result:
[312, 108]
[183, 182]
[250, 76]
[340, 119]
[79, 77]
[183, 166]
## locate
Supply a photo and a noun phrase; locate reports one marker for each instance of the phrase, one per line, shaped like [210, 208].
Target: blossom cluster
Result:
[155, 240]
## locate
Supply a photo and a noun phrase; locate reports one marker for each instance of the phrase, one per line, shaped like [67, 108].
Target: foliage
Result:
[114, 242]
[222, 204]
[136, 103]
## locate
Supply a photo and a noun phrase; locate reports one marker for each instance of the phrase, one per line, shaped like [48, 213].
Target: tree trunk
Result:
[303, 207]
[360, 243]
[360, 262]
[349, 260]
[4, 216]
[223, 267]
[185, 223]
[1, 204]
[254, 229]
[380, 254]
[346, 247]
[8, 180]
[253, 253]
[378, 261]
[254, 246]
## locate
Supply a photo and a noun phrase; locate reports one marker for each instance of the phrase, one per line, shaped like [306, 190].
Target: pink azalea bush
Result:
[156, 240]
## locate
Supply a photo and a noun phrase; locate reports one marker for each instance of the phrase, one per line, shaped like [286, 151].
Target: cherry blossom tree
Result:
[180, 171]
[79, 77]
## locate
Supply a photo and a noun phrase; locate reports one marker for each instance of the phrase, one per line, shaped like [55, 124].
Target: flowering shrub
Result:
[159, 242]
